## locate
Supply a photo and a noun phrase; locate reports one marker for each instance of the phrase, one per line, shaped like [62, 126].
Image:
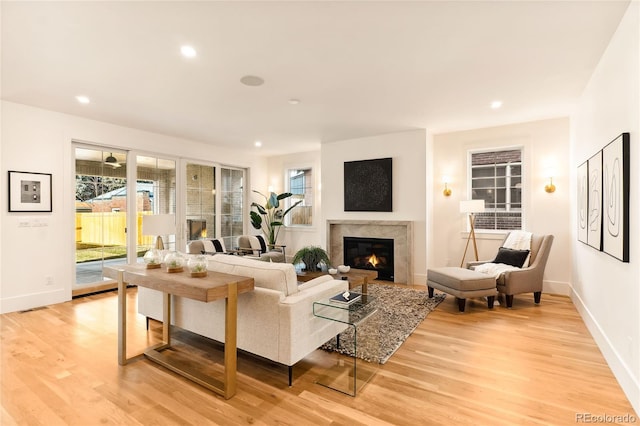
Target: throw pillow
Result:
[263, 243]
[219, 245]
[255, 245]
[208, 246]
[511, 257]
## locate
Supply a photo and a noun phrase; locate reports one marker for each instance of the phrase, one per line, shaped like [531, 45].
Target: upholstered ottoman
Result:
[463, 284]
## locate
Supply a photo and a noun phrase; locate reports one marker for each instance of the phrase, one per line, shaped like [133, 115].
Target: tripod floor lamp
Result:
[471, 207]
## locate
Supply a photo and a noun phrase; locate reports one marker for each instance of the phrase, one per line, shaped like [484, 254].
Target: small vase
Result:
[174, 262]
[197, 266]
[153, 259]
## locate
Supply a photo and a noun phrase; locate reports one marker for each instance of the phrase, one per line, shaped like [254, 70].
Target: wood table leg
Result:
[230, 341]
[166, 318]
[122, 319]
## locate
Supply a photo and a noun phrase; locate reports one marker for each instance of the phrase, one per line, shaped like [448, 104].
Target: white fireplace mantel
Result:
[400, 231]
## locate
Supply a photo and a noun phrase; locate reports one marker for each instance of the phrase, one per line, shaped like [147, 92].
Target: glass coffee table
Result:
[346, 375]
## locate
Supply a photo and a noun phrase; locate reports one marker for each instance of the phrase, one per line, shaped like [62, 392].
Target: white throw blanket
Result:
[494, 269]
[519, 240]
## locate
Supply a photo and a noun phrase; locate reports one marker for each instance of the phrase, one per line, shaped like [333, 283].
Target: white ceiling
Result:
[358, 68]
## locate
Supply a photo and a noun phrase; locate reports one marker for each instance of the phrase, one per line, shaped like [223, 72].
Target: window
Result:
[201, 201]
[496, 178]
[231, 205]
[300, 183]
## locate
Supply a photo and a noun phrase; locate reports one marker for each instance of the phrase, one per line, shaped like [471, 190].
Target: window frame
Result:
[508, 187]
[289, 201]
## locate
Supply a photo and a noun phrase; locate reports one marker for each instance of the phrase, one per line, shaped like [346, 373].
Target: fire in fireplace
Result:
[370, 253]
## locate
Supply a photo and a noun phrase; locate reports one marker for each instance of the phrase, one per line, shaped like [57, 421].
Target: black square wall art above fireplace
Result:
[367, 185]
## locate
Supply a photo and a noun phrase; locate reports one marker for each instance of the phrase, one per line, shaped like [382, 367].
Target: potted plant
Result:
[312, 256]
[270, 216]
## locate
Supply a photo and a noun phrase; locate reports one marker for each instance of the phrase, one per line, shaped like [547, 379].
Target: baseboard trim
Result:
[556, 287]
[622, 372]
[33, 300]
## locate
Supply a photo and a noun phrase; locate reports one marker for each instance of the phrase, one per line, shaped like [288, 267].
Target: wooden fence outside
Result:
[108, 229]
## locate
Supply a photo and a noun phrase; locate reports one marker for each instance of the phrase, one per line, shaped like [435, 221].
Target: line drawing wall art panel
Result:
[594, 218]
[615, 198]
[583, 202]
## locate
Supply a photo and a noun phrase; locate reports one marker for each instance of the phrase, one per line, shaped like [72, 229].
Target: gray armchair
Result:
[528, 279]
[255, 246]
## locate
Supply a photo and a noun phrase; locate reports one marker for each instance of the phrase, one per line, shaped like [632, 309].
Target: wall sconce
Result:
[550, 187]
[447, 191]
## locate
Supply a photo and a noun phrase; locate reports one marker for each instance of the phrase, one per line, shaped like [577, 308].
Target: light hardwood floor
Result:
[528, 365]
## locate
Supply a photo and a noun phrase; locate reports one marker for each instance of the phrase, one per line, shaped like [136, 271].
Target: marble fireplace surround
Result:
[400, 231]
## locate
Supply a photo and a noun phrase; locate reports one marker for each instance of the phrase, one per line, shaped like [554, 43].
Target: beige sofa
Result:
[275, 321]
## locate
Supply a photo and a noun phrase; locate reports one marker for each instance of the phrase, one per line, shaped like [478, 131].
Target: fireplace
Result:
[370, 253]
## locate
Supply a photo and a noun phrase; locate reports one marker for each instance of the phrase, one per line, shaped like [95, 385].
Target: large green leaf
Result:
[260, 209]
[284, 195]
[256, 220]
[289, 209]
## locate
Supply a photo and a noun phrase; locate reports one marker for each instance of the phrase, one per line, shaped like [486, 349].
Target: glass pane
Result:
[101, 213]
[232, 205]
[483, 183]
[478, 172]
[156, 182]
[201, 201]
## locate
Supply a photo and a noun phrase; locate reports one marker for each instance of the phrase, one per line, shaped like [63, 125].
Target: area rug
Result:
[399, 312]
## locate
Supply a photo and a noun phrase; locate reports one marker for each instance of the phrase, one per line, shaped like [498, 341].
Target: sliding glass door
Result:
[108, 205]
[155, 195]
[100, 214]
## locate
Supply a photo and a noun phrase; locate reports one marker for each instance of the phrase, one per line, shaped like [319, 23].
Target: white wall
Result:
[408, 150]
[546, 144]
[37, 140]
[606, 291]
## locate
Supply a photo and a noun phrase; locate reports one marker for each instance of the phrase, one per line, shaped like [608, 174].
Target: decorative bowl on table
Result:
[332, 271]
[343, 269]
[197, 266]
[174, 262]
[153, 259]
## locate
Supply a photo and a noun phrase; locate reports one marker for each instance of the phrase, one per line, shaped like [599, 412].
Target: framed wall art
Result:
[615, 198]
[29, 192]
[368, 185]
[583, 202]
[594, 214]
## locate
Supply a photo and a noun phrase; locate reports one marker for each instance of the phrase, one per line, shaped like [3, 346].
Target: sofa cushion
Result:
[314, 282]
[275, 276]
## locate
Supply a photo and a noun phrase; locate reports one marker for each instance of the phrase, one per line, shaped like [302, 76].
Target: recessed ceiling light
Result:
[252, 80]
[188, 51]
[294, 101]
[83, 99]
[258, 144]
[496, 104]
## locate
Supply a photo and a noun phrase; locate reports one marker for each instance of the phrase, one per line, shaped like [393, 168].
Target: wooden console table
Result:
[354, 276]
[214, 286]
